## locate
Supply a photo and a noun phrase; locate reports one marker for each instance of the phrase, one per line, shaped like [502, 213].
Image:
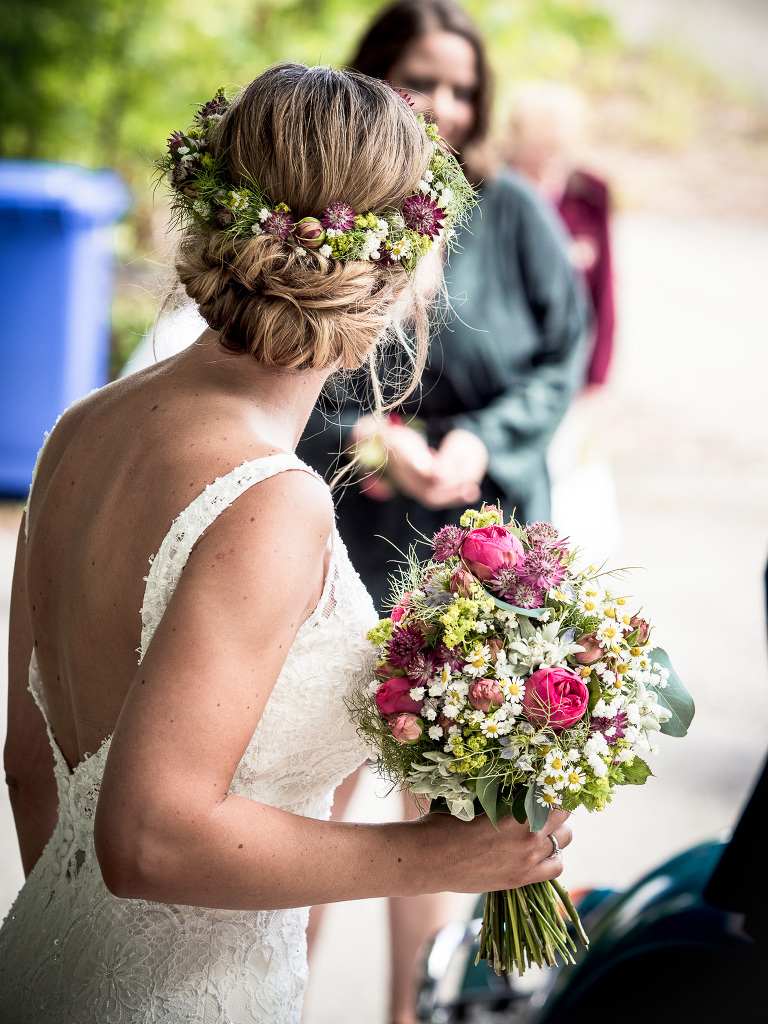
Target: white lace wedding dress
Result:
[70, 951]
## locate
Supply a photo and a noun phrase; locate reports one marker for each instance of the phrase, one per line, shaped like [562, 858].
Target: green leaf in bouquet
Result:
[531, 613]
[536, 813]
[487, 790]
[518, 806]
[636, 772]
[595, 693]
[674, 697]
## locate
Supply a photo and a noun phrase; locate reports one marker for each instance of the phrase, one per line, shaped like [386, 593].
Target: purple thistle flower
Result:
[447, 542]
[180, 174]
[401, 93]
[523, 595]
[450, 656]
[224, 219]
[422, 668]
[404, 645]
[423, 215]
[542, 567]
[278, 223]
[612, 728]
[505, 582]
[339, 215]
[546, 535]
[215, 107]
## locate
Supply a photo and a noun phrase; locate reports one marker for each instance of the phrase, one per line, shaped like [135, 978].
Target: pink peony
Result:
[490, 548]
[643, 628]
[310, 232]
[401, 607]
[556, 697]
[394, 697]
[406, 728]
[485, 692]
[592, 652]
[461, 583]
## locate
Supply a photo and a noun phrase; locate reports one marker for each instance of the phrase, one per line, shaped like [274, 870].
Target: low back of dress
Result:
[70, 951]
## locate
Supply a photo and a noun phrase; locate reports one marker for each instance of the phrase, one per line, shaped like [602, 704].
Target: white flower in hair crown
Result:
[203, 195]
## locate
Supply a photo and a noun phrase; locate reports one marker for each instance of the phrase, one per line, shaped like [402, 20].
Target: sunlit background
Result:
[678, 99]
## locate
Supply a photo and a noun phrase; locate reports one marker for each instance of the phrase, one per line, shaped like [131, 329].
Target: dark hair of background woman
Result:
[400, 24]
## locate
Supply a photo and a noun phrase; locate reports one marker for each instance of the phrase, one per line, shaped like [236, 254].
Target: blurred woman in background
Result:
[505, 360]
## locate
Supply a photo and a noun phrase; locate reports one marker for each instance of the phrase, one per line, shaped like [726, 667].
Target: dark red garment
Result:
[585, 209]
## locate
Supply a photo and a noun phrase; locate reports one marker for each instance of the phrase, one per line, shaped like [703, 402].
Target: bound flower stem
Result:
[526, 926]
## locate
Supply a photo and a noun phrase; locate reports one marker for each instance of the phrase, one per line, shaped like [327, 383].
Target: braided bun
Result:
[285, 306]
[309, 136]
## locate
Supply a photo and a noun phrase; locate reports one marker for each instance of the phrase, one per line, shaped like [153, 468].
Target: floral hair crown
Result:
[203, 195]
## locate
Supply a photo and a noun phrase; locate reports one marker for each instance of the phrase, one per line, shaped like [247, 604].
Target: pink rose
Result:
[494, 649]
[592, 652]
[643, 628]
[490, 548]
[394, 697]
[461, 583]
[406, 728]
[310, 232]
[556, 697]
[401, 607]
[483, 693]
[386, 671]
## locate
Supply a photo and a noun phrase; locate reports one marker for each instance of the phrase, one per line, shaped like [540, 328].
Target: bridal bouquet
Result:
[510, 680]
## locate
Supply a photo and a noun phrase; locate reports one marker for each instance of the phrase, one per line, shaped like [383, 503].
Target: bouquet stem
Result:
[526, 926]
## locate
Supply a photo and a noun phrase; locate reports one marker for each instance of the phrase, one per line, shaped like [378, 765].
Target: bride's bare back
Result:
[119, 468]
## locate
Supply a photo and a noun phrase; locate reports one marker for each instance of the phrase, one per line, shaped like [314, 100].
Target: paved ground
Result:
[684, 428]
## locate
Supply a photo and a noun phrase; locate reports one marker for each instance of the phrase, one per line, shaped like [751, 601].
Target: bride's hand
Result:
[476, 857]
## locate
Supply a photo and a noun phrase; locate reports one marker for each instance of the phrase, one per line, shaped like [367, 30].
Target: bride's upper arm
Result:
[210, 668]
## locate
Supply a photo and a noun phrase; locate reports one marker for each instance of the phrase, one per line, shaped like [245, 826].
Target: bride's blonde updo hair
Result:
[309, 137]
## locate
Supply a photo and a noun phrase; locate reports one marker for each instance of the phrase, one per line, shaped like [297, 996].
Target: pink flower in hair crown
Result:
[423, 215]
[339, 216]
[278, 223]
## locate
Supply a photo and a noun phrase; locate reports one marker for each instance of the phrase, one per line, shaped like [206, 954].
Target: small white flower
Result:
[263, 214]
[417, 693]
[256, 230]
[429, 712]
[446, 197]
[575, 779]
[524, 763]
[182, 150]
[325, 250]
[424, 186]
[429, 176]
[548, 797]
[435, 732]
[452, 710]
[382, 228]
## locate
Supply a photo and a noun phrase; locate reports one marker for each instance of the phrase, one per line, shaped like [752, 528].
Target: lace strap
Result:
[168, 564]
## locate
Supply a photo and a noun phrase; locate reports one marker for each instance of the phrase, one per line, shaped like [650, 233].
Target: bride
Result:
[172, 816]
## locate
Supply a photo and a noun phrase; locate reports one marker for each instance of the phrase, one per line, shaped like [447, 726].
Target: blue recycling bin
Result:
[55, 292]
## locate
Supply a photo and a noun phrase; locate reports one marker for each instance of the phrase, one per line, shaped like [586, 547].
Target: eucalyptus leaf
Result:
[531, 613]
[595, 693]
[674, 697]
[536, 813]
[487, 789]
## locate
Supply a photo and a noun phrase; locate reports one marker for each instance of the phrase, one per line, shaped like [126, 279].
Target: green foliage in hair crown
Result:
[203, 196]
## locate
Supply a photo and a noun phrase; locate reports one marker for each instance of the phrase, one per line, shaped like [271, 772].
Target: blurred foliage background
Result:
[104, 82]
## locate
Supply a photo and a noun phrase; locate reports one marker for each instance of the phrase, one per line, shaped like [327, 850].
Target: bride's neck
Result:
[279, 401]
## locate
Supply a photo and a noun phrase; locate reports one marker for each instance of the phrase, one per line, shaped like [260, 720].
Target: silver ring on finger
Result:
[556, 851]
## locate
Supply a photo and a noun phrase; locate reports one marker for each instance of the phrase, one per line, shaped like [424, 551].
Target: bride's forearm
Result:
[249, 856]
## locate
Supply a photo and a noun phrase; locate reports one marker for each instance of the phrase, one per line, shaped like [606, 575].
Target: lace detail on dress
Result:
[70, 951]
